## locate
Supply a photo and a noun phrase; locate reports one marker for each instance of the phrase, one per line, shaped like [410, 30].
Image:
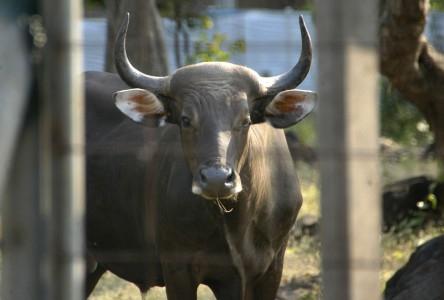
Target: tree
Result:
[145, 40]
[185, 14]
[401, 121]
[412, 65]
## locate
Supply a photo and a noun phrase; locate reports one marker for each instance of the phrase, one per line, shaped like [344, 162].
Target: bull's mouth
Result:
[224, 202]
[197, 190]
[218, 183]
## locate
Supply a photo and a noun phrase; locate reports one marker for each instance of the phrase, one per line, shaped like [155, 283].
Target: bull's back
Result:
[101, 113]
[118, 167]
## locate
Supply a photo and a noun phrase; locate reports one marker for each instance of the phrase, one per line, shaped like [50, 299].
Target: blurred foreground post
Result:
[42, 165]
[19, 158]
[349, 148]
[63, 150]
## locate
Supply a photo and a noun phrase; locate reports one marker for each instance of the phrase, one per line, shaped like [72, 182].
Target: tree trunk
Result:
[411, 64]
[145, 42]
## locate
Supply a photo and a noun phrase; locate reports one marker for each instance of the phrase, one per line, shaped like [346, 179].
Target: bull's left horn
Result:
[130, 74]
[297, 74]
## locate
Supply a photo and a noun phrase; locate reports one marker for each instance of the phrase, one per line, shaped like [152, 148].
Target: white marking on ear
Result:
[139, 105]
[162, 121]
[127, 108]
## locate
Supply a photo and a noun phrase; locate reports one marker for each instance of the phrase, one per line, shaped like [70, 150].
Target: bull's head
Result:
[214, 104]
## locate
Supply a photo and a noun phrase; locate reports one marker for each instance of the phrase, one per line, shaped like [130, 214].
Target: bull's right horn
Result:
[297, 74]
[130, 74]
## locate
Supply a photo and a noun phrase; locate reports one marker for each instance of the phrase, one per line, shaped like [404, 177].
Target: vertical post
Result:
[19, 160]
[64, 125]
[14, 88]
[347, 35]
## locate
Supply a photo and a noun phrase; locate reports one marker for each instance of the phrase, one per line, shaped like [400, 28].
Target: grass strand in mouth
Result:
[222, 207]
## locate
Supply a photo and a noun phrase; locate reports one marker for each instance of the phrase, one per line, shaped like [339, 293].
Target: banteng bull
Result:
[193, 183]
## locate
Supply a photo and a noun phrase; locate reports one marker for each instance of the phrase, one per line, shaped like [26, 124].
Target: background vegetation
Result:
[437, 4]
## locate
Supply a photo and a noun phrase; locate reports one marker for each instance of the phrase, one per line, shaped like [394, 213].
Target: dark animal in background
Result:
[298, 150]
[422, 277]
[404, 200]
[195, 185]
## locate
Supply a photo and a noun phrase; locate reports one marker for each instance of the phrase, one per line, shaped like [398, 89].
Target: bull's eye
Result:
[185, 122]
[243, 125]
[246, 122]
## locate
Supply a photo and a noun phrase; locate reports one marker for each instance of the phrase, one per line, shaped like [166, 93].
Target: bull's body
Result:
[146, 226]
[207, 199]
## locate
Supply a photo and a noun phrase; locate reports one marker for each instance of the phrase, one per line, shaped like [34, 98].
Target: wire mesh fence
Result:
[272, 44]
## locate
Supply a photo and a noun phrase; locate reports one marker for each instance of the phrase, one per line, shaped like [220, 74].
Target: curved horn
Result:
[127, 72]
[297, 74]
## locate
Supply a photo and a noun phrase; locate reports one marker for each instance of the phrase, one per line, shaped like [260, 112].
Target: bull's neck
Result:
[241, 224]
[254, 172]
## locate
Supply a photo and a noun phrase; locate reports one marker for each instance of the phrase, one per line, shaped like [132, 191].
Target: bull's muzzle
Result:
[216, 181]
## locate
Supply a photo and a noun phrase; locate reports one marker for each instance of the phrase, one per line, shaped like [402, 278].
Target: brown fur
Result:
[147, 104]
[256, 159]
[288, 103]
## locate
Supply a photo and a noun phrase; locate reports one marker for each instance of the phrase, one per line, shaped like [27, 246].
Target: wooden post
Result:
[348, 114]
[64, 149]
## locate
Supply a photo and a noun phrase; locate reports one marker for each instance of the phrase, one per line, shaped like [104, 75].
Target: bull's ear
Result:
[141, 106]
[289, 107]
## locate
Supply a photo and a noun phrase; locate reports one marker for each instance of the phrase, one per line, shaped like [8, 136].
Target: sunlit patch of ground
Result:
[111, 287]
[300, 280]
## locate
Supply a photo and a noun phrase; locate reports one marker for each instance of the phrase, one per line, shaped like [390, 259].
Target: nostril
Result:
[203, 178]
[230, 177]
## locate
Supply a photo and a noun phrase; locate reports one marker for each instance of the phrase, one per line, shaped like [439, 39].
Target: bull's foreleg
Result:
[144, 295]
[92, 278]
[227, 290]
[179, 282]
[266, 287]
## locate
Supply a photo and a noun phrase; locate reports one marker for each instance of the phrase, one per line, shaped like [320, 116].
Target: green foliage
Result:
[166, 8]
[437, 4]
[208, 48]
[400, 120]
[211, 47]
[93, 4]
[306, 130]
[184, 10]
[308, 5]
[206, 22]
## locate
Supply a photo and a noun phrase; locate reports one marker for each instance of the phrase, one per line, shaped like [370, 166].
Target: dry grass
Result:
[111, 287]
[299, 279]
[397, 248]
